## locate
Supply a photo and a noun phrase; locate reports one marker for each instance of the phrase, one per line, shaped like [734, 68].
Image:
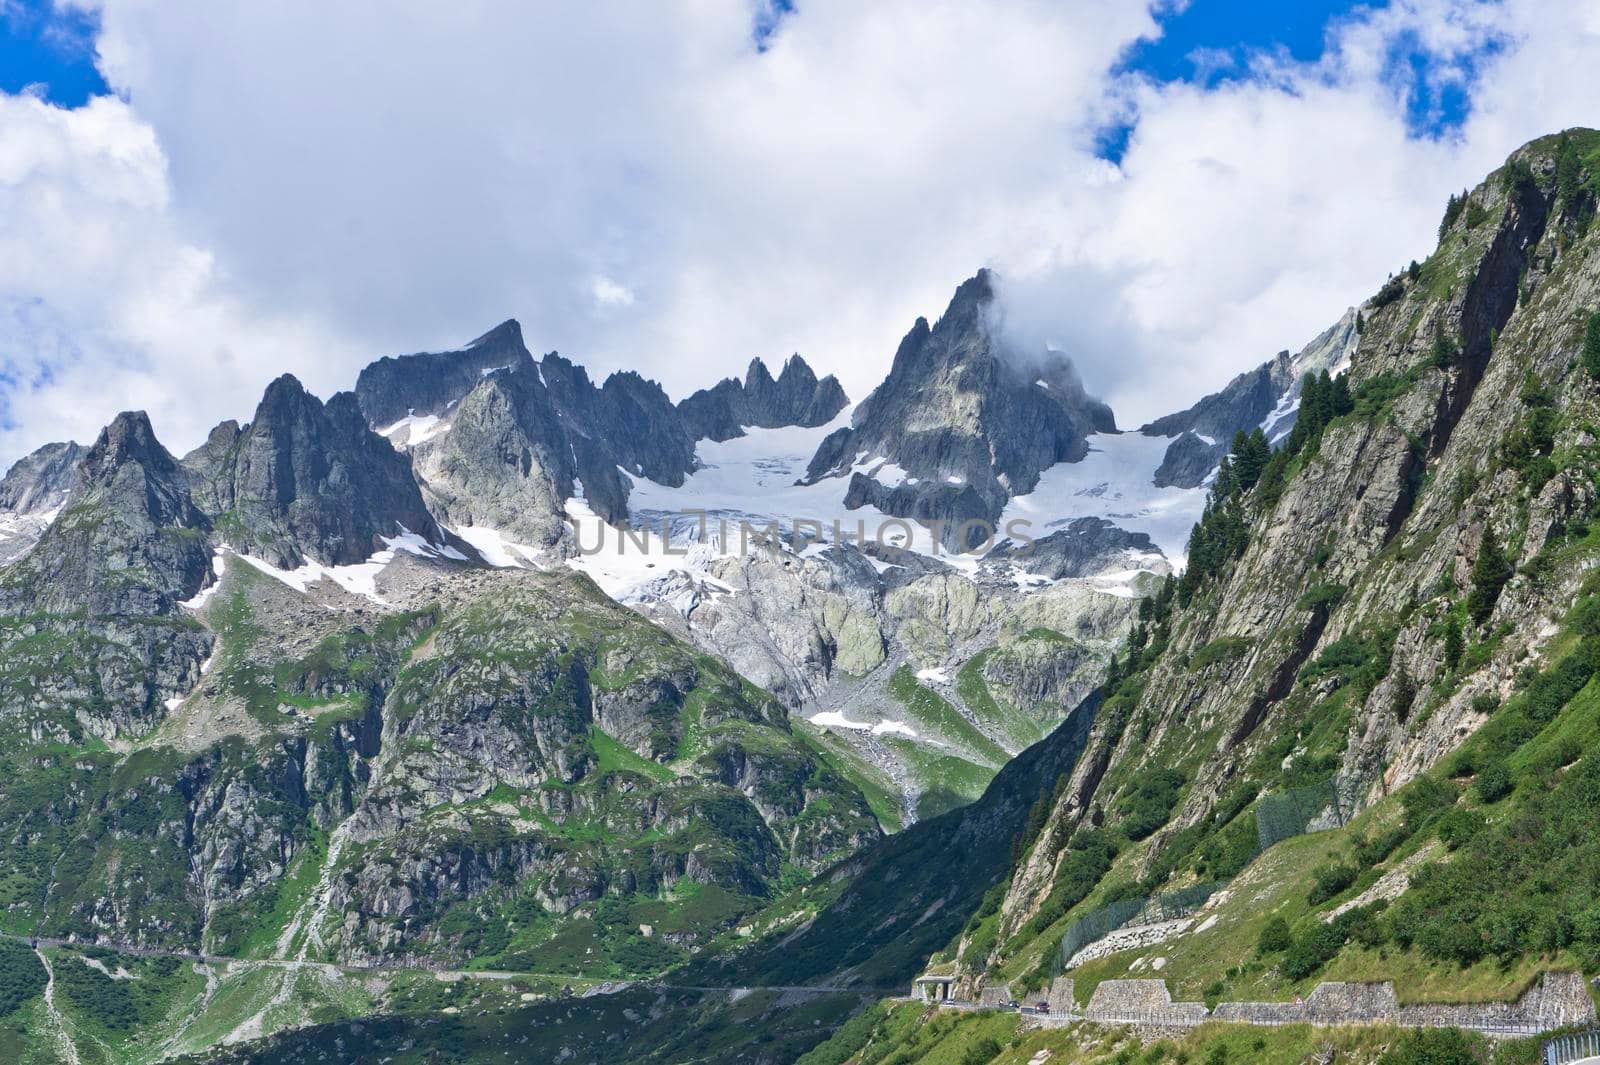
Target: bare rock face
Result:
[32, 492]
[1082, 547]
[969, 420]
[131, 542]
[796, 397]
[505, 463]
[93, 642]
[399, 386]
[306, 480]
[42, 480]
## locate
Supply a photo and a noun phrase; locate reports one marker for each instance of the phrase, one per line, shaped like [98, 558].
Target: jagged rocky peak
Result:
[964, 421]
[308, 481]
[796, 397]
[130, 543]
[506, 463]
[1266, 397]
[430, 383]
[628, 422]
[41, 481]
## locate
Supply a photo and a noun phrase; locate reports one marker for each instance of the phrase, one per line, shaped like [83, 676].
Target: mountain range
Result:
[554, 686]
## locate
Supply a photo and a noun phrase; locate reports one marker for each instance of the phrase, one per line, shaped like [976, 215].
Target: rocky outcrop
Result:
[963, 422]
[32, 493]
[1266, 398]
[506, 462]
[42, 480]
[308, 481]
[131, 542]
[1081, 547]
[795, 398]
[399, 386]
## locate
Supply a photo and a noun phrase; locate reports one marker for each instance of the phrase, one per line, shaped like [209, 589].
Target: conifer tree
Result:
[1490, 571]
[1454, 645]
[1591, 345]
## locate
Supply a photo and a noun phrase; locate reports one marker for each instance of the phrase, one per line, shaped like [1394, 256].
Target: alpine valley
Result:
[485, 713]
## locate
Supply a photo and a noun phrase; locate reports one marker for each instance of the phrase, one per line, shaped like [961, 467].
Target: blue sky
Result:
[50, 50]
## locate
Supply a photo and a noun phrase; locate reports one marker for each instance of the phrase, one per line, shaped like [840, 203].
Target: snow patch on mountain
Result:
[358, 579]
[836, 719]
[497, 550]
[414, 429]
[1113, 482]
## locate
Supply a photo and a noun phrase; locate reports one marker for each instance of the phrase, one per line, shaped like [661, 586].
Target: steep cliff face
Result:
[1326, 647]
[505, 463]
[131, 542]
[307, 481]
[962, 423]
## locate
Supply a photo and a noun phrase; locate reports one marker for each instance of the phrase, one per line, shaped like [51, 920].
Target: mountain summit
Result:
[963, 422]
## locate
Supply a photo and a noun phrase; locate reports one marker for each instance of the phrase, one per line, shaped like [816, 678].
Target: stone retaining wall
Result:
[1556, 1001]
[998, 995]
[1061, 996]
[1120, 999]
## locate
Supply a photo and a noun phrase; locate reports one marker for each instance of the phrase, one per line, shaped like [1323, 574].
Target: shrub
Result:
[1585, 616]
[1313, 949]
[1330, 880]
[1150, 803]
[1458, 827]
[981, 1052]
[1391, 291]
[1222, 649]
[1321, 594]
[1275, 936]
[1368, 851]
[22, 976]
[1494, 782]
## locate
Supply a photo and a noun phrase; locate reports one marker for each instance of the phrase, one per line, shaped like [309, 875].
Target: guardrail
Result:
[1565, 1049]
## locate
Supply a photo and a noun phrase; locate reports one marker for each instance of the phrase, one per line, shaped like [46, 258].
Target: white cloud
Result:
[103, 307]
[306, 186]
[607, 293]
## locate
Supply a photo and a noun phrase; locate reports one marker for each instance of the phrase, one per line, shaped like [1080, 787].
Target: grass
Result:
[611, 756]
[883, 798]
[1020, 729]
[934, 716]
[292, 892]
[945, 781]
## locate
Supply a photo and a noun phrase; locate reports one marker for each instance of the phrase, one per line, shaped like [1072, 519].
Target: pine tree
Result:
[1569, 167]
[1454, 645]
[1591, 345]
[1250, 454]
[1452, 210]
[1342, 402]
[1490, 571]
